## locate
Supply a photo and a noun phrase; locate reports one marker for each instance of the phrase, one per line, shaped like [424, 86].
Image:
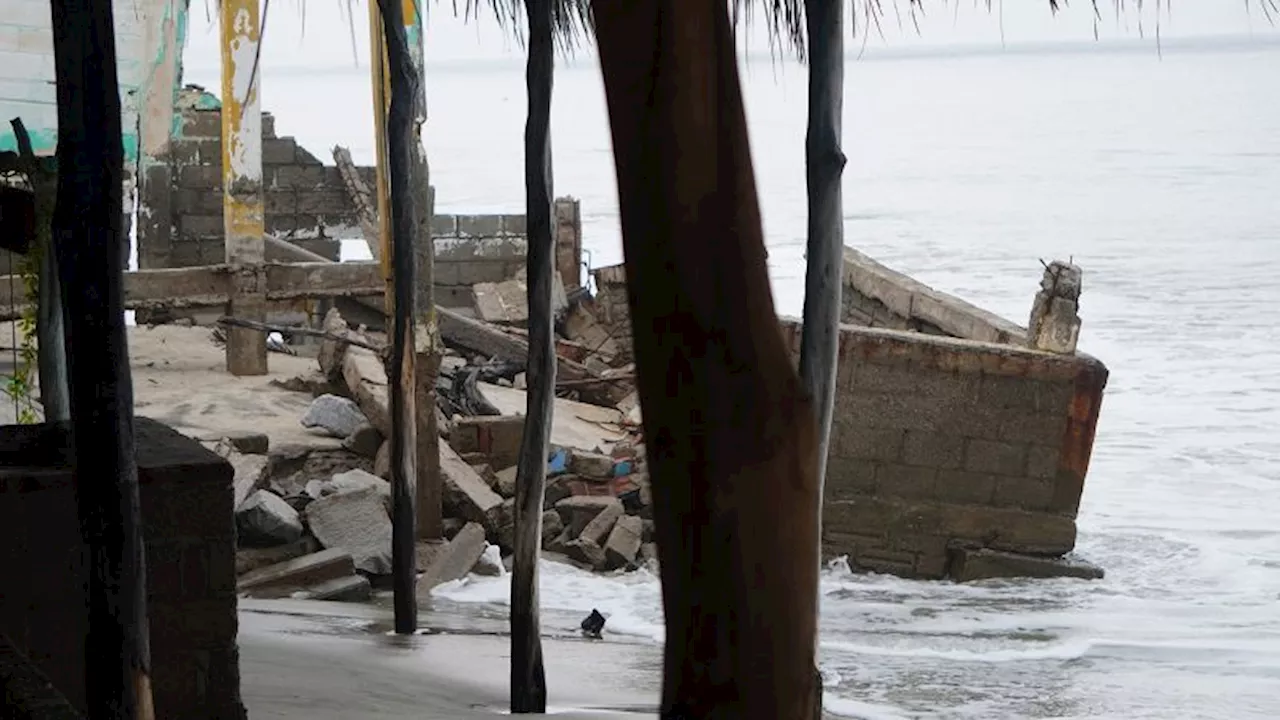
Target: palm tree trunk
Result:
[528, 678]
[87, 238]
[730, 434]
[824, 163]
[401, 137]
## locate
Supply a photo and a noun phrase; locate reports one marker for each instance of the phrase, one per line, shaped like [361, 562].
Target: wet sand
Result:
[335, 661]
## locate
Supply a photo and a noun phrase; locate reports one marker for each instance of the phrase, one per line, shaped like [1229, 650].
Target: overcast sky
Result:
[321, 36]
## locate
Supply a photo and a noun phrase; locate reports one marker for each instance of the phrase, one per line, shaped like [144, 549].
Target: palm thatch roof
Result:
[784, 19]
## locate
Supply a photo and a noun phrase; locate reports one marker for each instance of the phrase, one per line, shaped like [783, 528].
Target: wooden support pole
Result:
[824, 276]
[242, 204]
[401, 134]
[87, 238]
[528, 677]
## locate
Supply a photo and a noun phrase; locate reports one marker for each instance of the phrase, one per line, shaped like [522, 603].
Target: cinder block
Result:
[479, 225]
[279, 151]
[853, 440]
[905, 481]
[930, 449]
[1042, 461]
[1023, 493]
[965, 488]
[999, 458]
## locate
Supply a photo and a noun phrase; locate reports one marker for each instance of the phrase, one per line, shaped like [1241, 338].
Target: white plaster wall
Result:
[27, 67]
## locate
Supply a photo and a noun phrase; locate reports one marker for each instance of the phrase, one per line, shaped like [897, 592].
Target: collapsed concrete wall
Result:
[956, 451]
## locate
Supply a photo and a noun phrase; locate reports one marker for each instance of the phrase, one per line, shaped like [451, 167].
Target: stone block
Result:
[298, 176]
[279, 151]
[935, 450]
[466, 494]
[366, 379]
[265, 519]
[586, 551]
[858, 442]
[351, 481]
[552, 526]
[479, 225]
[497, 436]
[598, 528]
[624, 541]
[591, 465]
[446, 225]
[579, 510]
[846, 478]
[969, 565]
[965, 488]
[1040, 428]
[1024, 493]
[455, 560]
[356, 522]
[250, 559]
[906, 481]
[299, 572]
[365, 441]
[998, 458]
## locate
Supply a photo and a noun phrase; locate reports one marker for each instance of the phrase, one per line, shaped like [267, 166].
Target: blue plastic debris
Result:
[558, 463]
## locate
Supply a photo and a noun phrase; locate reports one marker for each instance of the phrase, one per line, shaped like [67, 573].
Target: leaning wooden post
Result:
[824, 163]
[401, 134]
[528, 678]
[87, 238]
[242, 205]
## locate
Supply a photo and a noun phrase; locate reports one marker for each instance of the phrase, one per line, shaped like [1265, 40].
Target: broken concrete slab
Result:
[577, 425]
[299, 572]
[351, 481]
[353, 588]
[250, 559]
[366, 378]
[466, 494]
[265, 519]
[356, 522]
[250, 474]
[598, 529]
[552, 526]
[969, 564]
[581, 325]
[290, 468]
[624, 543]
[505, 482]
[455, 560]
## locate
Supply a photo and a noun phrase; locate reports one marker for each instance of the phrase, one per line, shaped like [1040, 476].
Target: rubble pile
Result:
[315, 521]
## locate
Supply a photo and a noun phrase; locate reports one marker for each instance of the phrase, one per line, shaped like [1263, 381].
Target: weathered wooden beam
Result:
[485, 339]
[88, 237]
[528, 676]
[323, 279]
[401, 132]
[824, 273]
[242, 194]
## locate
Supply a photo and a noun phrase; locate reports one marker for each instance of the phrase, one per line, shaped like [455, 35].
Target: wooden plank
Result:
[242, 194]
[323, 279]
[478, 337]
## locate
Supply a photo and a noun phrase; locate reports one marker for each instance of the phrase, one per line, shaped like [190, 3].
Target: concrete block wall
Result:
[939, 443]
[190, 554]
[305, 201]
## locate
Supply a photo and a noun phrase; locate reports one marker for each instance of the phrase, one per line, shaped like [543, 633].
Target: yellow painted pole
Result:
[242, 205]
[381, 100]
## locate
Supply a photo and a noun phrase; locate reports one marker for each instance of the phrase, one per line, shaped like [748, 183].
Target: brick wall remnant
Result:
[611, 307]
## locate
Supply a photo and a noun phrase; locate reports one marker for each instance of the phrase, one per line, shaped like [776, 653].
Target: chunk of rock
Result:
[333, 352]
[602, 524]
[455, 560]
[578, 510]
[266, 519]
[356, 522]
[352, 588]
[367, 380]
[623, 545]
[313, 383]
[592, 465]
[504, 535]
[351, 481]
[299, 572]
[466, 495]
[382, 461]
[337, 416]
[451, 526]
[365, 441]
[290, 468]
[586, 551]
[250, 475]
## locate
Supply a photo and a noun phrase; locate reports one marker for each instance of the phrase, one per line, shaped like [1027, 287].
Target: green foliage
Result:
[19, 386]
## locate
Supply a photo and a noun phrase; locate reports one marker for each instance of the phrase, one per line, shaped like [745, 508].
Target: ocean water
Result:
[1158, 175]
